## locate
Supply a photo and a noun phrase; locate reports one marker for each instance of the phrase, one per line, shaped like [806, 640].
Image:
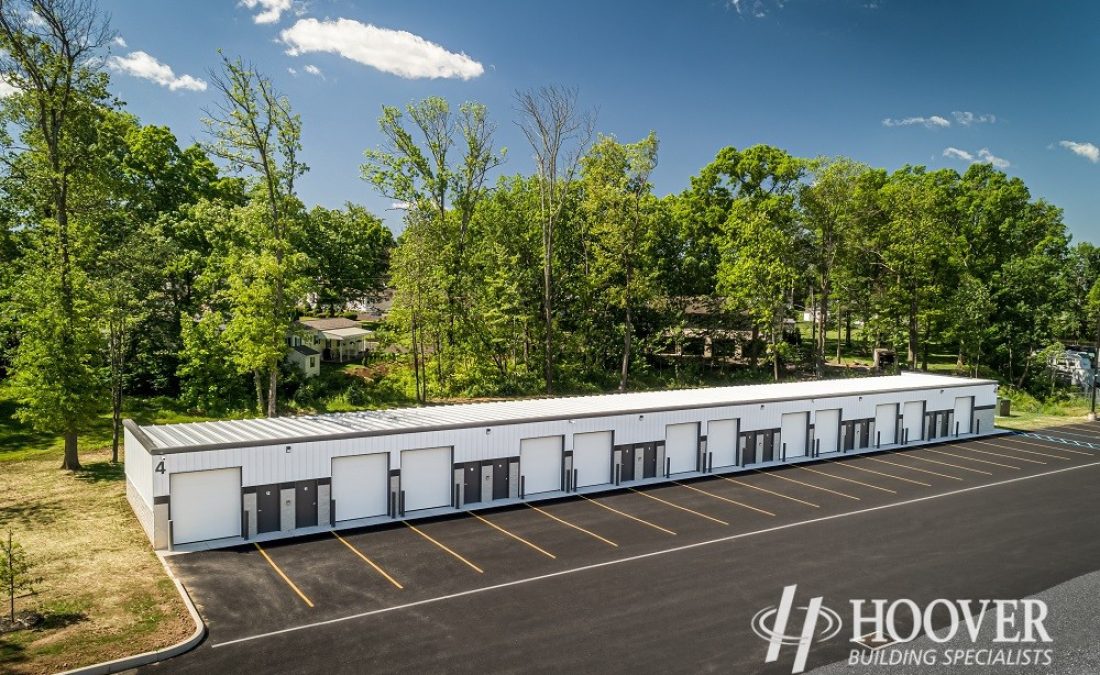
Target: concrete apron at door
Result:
[559, 494]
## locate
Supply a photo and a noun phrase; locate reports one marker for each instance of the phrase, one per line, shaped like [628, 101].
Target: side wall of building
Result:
[139, 481]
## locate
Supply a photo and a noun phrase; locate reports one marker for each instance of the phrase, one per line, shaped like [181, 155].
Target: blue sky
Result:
[883, 81]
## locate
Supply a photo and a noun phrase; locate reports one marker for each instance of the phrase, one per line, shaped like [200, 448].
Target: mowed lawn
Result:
[103, 591]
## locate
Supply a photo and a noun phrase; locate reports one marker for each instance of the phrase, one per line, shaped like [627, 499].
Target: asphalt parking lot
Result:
[666, 578]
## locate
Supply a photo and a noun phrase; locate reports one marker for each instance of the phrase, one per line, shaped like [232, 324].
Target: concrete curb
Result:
[128, 662]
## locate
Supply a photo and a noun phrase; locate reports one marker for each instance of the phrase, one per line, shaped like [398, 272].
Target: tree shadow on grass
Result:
[54, 620]
[30, 513]
[100, 472]
[11, 651]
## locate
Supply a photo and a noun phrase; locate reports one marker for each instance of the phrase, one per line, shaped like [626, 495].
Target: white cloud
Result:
[292, 72]
[967, 118]
[270, 10]
[1086, 150]
[119, 41]
[392, 51]
[314, 70]
[984, 156]
[140, 64]
[6, 89]
[931, 122]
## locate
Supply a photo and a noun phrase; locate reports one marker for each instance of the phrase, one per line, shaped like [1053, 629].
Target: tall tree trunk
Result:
[959, 362]
[548, 314]
[823, 332]
[847, 328]
[273, 391]
[258, 380]
[71, 460]
[839, 314]
[752, 346]
[913, 331]
[924, 346]
[628, 331]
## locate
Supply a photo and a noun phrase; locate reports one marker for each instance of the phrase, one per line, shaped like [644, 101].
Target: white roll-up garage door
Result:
[205, 505]
[682, 447]
[964, 409]
[792, 433]
[540, 464]
[426, 477]
[360, 485]
[722, 442]
[912, 419]
[827, 431]
[886, 423]
[592, 458]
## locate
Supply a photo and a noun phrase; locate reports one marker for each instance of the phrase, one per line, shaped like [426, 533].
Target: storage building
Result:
[210, 484]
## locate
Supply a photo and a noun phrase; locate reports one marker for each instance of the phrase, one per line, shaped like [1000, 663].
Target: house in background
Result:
[307, 359]
[337, 339]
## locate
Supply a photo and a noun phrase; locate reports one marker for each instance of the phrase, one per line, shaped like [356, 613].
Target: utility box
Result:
[1004, 407]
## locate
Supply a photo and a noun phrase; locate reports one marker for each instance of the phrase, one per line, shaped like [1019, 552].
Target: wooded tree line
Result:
[132, 265]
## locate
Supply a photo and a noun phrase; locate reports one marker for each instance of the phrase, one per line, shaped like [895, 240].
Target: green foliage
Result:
[348, 251]
[16, 567]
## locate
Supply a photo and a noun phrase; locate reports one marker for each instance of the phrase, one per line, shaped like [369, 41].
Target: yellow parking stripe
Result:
[847, 480]
[283, 575]
[442, 546]
[882, 473]
[575, 527]
[954, 466]
[972, 459]
[514, 536]
[626, 515]
[912, 468]
[1030, 452]
[368, 561]
[677, 506]
[809, 485]
[1059, 449]
[777, 494]
[725, 499]
[1015, 458]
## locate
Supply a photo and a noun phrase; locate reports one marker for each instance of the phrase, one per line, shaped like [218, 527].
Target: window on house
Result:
[313, 362]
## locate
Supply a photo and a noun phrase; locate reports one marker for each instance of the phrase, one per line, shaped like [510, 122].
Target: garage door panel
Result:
[722, 442]
[205, 505]
[682, 447]
[540, 464]
[360, 485]
[426, 478]
[886, 420]
[913, 420]
[964, 409]
[793, 432]
[592, 458]
[827, 430]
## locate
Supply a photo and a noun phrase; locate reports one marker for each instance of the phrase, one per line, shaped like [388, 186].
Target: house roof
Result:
[194, 436]
[345, 333]
[330, 324]
[305, 351]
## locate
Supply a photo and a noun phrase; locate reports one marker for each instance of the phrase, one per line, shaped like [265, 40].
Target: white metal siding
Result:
[913, 421]
[964, 410]
[721, 442]
[139, 467]
[360, 485]
[205, 505]
[886, 424]
[592, 458]
[540, 464]
[426, 478]
[827, 430]
[792, 433]
[682, 447]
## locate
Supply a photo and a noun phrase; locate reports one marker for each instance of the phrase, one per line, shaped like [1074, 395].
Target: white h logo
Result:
[776, 633]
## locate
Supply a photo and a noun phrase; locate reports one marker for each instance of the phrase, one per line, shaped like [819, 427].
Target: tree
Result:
[558, 133]
[15, 572]
[349, 252]
[254, 129]
[616, 181]
[47, 54]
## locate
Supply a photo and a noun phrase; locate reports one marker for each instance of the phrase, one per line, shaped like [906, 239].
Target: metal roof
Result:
[267, 431]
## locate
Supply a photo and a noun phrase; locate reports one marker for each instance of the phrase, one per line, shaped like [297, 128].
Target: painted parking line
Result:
[1030, 452]
[777, 494]
[282, 574]
[624, 514]
[370, 562]
[1059, 449]
[774, 474]
[1062, 430]
[643, 556]
[677, 506]
[882, 473]
[972, 459]
[913, 468]
[515, 536]
[725, 499]
[954, 466]
[847, 480]
[443, 547]
[575, 527]
[1015, 458]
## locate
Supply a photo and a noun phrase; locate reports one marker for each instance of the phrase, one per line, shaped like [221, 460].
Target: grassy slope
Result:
[104, 591]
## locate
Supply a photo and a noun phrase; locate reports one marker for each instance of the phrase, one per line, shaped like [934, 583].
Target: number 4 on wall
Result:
[160, 467]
